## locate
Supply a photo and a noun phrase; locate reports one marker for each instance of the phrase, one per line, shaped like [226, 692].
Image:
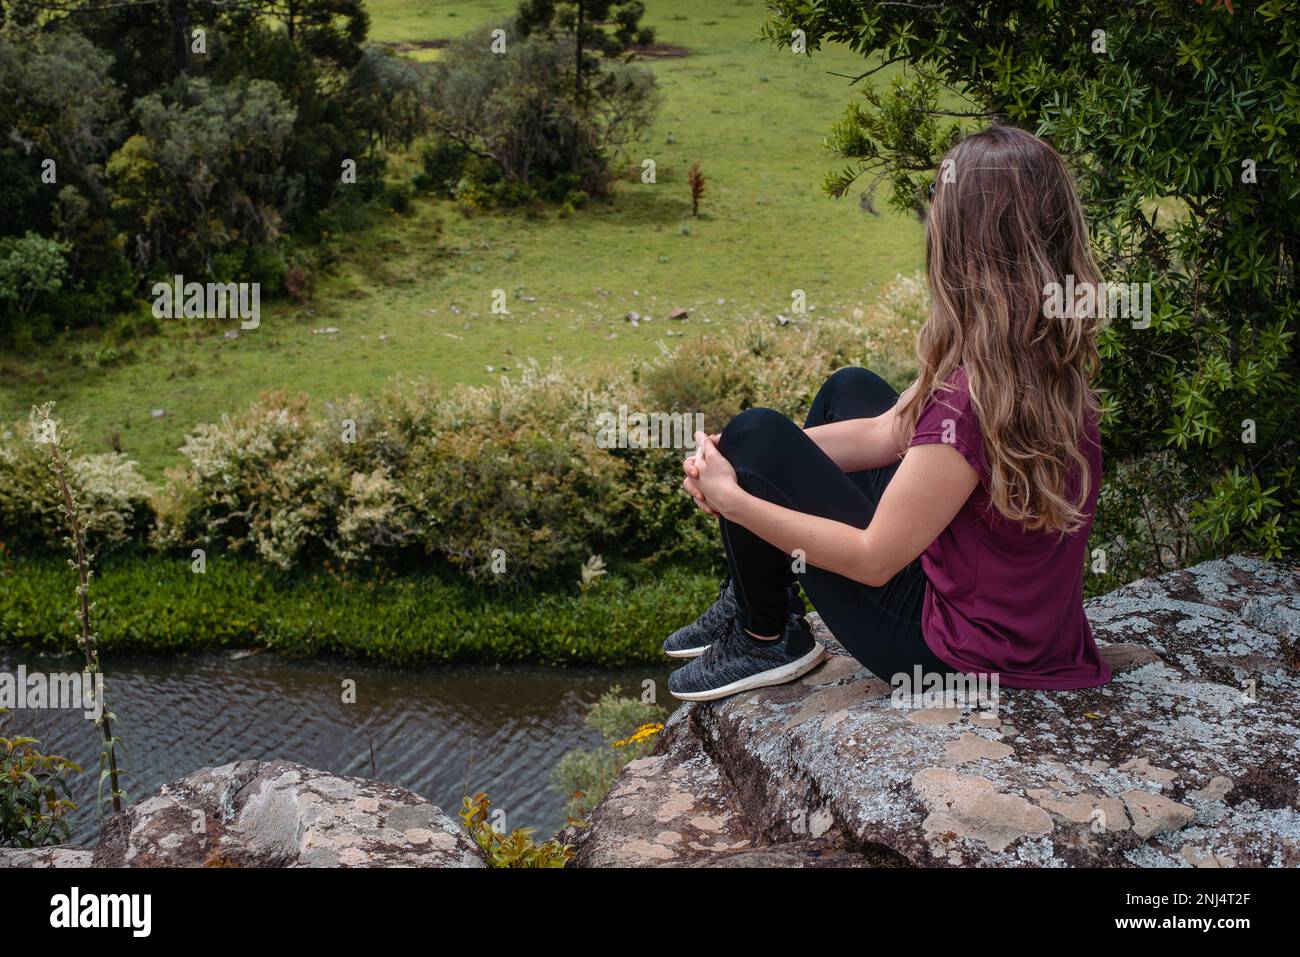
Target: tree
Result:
[385, 94]
[30, 267]
[39, 121]
[604, 27]
[333, 30]
[1180, 121]
[205, 171]
[514, 109]
[329, 29]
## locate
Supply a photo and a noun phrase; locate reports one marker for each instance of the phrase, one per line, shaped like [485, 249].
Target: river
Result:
[442, 733]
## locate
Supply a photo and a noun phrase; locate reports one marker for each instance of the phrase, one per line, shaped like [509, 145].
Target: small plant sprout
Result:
[695, 178]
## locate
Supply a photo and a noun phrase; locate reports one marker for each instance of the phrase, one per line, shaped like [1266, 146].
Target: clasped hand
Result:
[710, 479]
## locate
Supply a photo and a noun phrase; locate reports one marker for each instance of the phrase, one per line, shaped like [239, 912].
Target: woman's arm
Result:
[858, 444]
[927, 491]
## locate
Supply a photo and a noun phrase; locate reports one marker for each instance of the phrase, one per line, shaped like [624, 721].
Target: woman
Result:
[945, 529]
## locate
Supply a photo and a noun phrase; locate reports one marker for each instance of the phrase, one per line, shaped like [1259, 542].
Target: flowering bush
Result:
[507, 484]
[113, 498]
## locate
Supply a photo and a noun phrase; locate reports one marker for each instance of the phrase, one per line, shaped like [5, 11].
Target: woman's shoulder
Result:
[953, 391]
[949, 416]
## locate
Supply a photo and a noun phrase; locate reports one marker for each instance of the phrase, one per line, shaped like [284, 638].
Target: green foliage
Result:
[150, 604]
[443, 164]
[113, 498]
[43, 121]
[332, 31]
[1163, 117]
[67, 269]
[516, 849]
[185, 161]
[398, 198]
[205, 171]
[1144, 523]
[385, 96]
[630, 728]
[509, 485]
[31, 269]
[603, 28]
[511, 473]
[334, 120]
[251, 262]
[517, 111]
[34, 794]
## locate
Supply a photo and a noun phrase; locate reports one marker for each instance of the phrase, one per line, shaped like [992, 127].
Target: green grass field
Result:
[414, 295]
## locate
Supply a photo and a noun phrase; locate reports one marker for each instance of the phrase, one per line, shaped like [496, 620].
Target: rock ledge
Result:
[270, 814]
[1187, 758]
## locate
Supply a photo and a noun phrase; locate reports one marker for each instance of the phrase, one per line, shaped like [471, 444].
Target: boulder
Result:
[674, 809]
[1187, 758]
[278, 814]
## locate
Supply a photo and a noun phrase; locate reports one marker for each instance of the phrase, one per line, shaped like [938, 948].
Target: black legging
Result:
[775, 460]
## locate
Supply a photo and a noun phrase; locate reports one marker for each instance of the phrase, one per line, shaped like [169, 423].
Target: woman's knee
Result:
[854, 393]
[754, 432]
[858, 382]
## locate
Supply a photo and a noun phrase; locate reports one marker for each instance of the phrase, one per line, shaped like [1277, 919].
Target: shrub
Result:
[260, 482]
[300, 283]
[397, 197]
[442, 165]
[34, 794]
[504, 484]
[1143, 524]
[629, 727]
[262, 264]
[114, 499]
[32, 270]
[516, 849]
[511, 193]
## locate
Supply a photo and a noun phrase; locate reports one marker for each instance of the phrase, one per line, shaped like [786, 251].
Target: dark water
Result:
[441, 733]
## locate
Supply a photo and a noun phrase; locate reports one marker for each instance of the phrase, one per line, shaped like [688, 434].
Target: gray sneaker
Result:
[735, 662]
[691, 640]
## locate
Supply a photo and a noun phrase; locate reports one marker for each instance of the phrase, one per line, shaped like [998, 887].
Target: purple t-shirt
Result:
[1001, 599]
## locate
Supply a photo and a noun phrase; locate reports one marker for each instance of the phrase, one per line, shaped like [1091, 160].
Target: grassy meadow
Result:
[412, 293]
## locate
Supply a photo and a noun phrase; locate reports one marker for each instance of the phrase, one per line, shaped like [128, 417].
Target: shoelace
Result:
[720, 611]
[732, 640]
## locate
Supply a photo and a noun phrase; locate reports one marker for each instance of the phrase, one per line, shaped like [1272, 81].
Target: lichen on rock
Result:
[279, 814]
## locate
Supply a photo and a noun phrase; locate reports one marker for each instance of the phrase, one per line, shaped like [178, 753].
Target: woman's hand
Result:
[711, 478]
[691, 467]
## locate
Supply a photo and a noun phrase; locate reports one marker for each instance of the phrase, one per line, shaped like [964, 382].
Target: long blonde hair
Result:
[1004, 224]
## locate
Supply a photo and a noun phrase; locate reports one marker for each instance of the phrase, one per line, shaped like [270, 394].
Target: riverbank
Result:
[444, 732]
[157, 605]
